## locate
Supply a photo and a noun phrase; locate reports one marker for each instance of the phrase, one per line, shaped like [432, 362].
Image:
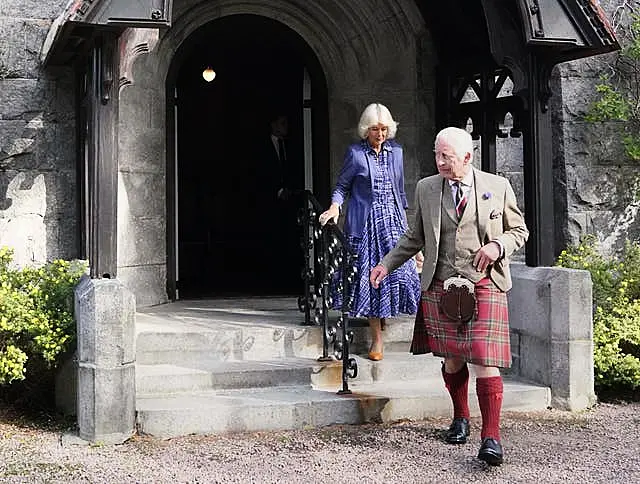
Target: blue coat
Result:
[356, 181]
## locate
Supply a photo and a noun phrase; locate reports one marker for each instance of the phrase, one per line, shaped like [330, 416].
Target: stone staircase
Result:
[231, 365]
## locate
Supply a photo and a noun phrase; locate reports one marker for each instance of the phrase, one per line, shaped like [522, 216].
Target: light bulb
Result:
[209, 74]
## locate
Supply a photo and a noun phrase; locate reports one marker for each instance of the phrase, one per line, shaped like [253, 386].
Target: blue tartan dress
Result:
[399, 292]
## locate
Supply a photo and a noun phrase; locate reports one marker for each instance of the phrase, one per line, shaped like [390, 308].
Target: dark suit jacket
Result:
[272, 174]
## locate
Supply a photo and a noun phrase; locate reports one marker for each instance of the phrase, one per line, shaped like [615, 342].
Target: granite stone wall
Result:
[596, 182]
[358, 71]
[38, 196]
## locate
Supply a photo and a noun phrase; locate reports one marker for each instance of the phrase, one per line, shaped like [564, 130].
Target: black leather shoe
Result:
[458, 431]
[490, 452]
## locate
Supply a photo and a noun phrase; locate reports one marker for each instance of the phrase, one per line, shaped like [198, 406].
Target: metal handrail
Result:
[331, 252]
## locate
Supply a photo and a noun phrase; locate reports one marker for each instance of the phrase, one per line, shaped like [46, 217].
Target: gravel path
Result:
[600, 445]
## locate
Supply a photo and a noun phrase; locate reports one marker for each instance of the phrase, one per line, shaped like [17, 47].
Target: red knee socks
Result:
[458, 386]
[489, 392]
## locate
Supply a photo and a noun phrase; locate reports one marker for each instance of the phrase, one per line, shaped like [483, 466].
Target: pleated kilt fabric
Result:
[482, 341]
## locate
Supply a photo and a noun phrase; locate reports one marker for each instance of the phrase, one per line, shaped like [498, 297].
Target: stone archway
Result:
[358, 69]
[229, 234]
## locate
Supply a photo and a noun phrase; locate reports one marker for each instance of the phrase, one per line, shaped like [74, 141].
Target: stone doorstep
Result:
[207, 374]
[230, 366]
[298, 407]
[180, 341]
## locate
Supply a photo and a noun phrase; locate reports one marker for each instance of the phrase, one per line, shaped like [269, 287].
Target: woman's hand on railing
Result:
[332, 213]
[378, 273]
[419, 261]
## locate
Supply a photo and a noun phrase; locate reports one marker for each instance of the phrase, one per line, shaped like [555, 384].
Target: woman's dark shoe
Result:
[490, 451]
[458, 431]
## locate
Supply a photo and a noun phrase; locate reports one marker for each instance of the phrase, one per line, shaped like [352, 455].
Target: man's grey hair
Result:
[459, 139]
[373, 115]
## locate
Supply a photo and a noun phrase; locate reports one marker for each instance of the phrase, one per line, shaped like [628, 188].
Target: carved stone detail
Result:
[134, 43]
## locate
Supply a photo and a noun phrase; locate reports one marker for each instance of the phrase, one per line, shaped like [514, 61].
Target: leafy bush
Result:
[618, 94]
[616, 319]
[36, 316]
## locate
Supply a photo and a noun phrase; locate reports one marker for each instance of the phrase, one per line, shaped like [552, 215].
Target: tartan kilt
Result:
[482, 341]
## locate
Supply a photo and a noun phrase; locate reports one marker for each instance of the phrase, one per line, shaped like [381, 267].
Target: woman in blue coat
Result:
[372, 178]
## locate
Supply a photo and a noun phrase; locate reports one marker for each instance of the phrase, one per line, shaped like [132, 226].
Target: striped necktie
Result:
[461, 200]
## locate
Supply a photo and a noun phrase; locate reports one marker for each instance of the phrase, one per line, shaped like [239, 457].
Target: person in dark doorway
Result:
[469, 224]
[373, 178]
[276, 190]
[279, 124]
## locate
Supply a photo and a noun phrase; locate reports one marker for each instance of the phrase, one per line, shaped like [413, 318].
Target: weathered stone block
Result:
[105, 314]
[106, 403]
[32, 8]
[142, 150]
[535, 359]
[572, 380]
[550, 309]
[142, 194]
[141, 241]
[148, 283]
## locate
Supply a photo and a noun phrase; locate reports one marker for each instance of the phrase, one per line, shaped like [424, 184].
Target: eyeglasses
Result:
[449, 158]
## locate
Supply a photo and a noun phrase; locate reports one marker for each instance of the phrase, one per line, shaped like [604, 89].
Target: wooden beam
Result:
[102, 137]
[538, 168]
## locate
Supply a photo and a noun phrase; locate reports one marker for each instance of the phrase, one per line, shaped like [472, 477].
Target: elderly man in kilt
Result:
[469, 224]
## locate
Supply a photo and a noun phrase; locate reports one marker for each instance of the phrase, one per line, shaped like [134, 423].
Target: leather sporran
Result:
[458, 300]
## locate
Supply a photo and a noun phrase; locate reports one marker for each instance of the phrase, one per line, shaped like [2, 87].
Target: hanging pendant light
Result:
[208, 74]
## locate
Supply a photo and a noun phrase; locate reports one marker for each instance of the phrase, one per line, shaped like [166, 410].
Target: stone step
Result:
[189, 339]
[302, 406]
[248, 365]
[207, 374]
[216, 375]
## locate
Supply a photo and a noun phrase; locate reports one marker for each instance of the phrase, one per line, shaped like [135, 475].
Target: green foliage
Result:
[36, 315]
[618, 93]
[616, 319]
[612, 105]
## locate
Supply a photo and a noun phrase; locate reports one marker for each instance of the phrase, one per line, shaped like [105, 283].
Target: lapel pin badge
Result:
[486, 195]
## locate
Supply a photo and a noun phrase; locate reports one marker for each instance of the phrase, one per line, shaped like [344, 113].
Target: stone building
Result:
[118, 88]
[115, 148]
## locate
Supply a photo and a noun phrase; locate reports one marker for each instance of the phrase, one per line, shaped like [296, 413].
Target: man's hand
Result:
[486, 256]
[378, 273]
[284, 194]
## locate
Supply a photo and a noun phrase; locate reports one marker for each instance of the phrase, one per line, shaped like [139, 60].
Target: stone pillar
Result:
[551, 319]
[105, 315]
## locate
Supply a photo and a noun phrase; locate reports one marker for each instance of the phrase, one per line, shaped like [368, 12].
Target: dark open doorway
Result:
[229, 234]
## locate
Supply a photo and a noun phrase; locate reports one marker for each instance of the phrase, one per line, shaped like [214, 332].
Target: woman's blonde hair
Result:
[373, 115]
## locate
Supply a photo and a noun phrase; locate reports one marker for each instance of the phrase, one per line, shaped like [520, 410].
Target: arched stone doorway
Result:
[130, 148]
[229, 234]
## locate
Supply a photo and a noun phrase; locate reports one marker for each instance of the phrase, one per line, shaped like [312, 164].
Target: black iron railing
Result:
[327, 253]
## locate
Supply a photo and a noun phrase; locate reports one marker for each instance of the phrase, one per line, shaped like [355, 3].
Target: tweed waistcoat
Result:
[459, 240]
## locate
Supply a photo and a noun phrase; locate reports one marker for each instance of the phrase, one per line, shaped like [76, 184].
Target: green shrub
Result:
[618, 94]
[616, 318]
[36, 316]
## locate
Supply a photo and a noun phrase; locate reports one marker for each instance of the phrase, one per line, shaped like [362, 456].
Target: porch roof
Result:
[474, 33]
[579, 28]
[570, 29]
[82, 19]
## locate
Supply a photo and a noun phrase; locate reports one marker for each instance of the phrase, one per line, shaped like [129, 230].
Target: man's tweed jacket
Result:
[498, 219]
